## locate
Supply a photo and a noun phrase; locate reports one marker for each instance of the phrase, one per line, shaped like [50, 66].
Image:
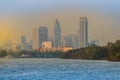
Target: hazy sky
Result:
[19, 17]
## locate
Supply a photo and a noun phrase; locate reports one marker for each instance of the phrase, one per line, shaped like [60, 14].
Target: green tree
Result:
[3, 53]
[117, 42]
[117, 57]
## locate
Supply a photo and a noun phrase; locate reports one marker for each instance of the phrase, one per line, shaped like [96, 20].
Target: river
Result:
[58, 69]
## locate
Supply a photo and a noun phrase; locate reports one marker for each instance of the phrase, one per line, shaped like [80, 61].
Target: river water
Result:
[58, 69]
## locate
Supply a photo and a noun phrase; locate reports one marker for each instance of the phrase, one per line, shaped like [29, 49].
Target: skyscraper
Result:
[83, 38]
[67, 41]
[24, 45]
[23, 39]
[74, 39]
[57, 34]
[70, 41]
[94, 42]
[40, 35]
[78, 35]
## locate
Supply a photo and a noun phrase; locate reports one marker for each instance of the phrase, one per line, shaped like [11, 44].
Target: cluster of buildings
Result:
[58, 42]
[43, 43]
[24, 45]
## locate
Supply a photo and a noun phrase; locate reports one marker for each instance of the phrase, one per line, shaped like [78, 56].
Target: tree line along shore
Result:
[110, 52]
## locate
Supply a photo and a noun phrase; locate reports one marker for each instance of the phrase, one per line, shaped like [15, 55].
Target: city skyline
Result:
[20, 17]
[50, 35]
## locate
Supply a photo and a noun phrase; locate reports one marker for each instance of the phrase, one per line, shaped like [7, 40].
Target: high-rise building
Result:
[50, 39]
[94, 42]
[14, 47]
[83, 38]
[74, 39]
[67, 41]
[40, 35]
[78, 35]
[23, 39]
[70, 41]
[24, 45]
[57, 34]
[7, 45]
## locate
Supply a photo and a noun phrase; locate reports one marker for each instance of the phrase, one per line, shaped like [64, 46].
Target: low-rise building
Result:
[65, 49]
[47, 46]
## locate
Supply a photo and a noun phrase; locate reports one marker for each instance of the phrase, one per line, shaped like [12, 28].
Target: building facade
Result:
[40, 35]
[23, 39]
[67, 41]
[70, 41]
[57, 34]
[94, 42]
[47, 46]
[83, 33]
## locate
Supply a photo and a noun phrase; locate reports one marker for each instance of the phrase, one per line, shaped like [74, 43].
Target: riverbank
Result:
[110, 52]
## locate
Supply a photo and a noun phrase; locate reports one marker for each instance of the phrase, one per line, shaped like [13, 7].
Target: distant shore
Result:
[56, 57]
[110, 52]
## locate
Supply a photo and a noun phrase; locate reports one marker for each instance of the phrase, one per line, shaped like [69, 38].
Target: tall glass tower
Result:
[23, 39]
[83, 38]
[40, 35]
[57, 34]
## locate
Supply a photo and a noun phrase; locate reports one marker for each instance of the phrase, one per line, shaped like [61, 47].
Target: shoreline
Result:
[57, 58]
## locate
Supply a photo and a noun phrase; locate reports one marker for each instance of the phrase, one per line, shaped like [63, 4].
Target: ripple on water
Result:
[58, 69]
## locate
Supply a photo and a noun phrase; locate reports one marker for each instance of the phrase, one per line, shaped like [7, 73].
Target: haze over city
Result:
[59, 39]
[20, 17]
